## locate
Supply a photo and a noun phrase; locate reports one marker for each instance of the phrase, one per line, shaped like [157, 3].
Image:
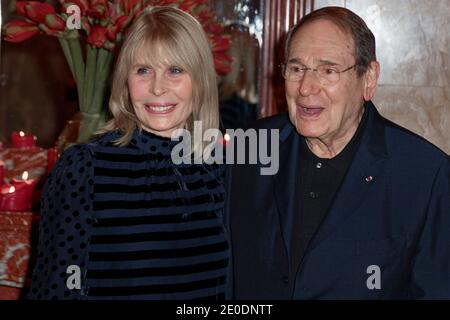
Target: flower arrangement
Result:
[89, 48]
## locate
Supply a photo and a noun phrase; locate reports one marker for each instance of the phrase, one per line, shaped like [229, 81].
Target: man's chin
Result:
[309, 133]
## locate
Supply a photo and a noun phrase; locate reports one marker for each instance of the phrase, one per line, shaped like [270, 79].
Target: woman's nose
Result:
[158, 85]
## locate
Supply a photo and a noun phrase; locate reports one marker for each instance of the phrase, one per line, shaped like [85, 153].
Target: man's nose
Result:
[309, 84]
[158, 85]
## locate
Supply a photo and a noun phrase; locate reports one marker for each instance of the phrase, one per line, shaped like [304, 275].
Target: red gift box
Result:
[16, 161]
[18, 241]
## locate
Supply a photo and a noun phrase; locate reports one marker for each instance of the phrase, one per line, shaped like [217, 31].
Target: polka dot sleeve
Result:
[64, 229]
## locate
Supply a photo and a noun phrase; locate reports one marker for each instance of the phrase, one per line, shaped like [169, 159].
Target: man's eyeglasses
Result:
[325, 73]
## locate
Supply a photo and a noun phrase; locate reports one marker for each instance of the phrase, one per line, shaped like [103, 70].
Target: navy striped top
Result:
[136, 225]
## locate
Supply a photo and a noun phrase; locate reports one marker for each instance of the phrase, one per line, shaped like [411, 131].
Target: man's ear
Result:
[371, 80]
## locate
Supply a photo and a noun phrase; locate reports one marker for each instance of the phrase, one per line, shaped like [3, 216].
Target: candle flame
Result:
[12, 189]
[227, 137]
[25, 175]
[21, 133]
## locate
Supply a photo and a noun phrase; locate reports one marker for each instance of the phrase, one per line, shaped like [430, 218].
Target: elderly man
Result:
[360, 207]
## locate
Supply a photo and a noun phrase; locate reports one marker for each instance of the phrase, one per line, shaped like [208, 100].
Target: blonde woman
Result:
[119, 219]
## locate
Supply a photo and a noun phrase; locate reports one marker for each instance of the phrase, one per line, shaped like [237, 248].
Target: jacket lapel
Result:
[367, 165]
[285, 182]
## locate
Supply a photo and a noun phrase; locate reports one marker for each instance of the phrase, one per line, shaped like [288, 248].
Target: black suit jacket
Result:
[392, 211]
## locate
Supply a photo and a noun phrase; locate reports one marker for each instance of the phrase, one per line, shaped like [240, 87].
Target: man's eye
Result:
[295, 69]
[329, 71]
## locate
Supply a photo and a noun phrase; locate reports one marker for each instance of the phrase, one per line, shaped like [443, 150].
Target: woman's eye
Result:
[142, 70]
[175, 70]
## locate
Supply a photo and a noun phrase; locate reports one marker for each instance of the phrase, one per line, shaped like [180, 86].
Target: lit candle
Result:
[28, 185]
[14, 198]
[52, 155]
[22, 140]
[2, 172]
[25, 180]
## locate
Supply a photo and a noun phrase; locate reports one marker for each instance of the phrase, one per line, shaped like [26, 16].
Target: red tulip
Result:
[82, 4]
[116, 27]
[109, 45]
[20, 7]
[122, 22]
[37, 11]
[222, 63]
[205, 17]
[189, 5]
[219, 43]
[114, 9]
[18, 30]
[111, 32]
[85, 24]
[98, 9]
[163, 2]
[55, 22]
[223, 56]
[49, 31]
[214, 28]
[221, 68]
[97, 36]
[115, 16]
[129, 5]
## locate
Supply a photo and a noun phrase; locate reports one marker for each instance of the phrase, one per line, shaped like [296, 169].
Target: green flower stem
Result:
[65, 47]
[98, 67]
[78, 64]
[88, 125]
[89, 79]
[103, 67]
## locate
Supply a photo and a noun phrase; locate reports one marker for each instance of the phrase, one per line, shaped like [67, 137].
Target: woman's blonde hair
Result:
[181, 39]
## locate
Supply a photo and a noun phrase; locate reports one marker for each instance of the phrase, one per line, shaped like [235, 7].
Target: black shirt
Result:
[319, 181]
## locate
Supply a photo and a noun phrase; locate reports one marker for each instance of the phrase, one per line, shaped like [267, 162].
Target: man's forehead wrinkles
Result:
[320, 54]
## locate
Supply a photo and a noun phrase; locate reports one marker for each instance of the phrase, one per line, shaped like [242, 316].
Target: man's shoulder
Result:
[405, 143]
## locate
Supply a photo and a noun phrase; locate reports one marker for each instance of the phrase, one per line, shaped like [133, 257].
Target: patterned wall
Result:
[413, 47]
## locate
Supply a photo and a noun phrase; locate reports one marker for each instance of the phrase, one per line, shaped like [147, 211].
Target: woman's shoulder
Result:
[106, 137]
[76, 161]
[84, 152]
[75, 156]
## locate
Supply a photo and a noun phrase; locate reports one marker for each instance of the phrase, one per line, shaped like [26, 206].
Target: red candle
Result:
[14, 198]
[2, 172]
[52, 155]
[27, 185]
[22, 140]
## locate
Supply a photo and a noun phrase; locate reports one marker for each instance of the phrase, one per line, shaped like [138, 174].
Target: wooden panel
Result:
[279, 17]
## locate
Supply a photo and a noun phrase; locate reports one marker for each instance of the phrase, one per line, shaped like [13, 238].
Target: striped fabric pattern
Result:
[158, 231]
[135, 225]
